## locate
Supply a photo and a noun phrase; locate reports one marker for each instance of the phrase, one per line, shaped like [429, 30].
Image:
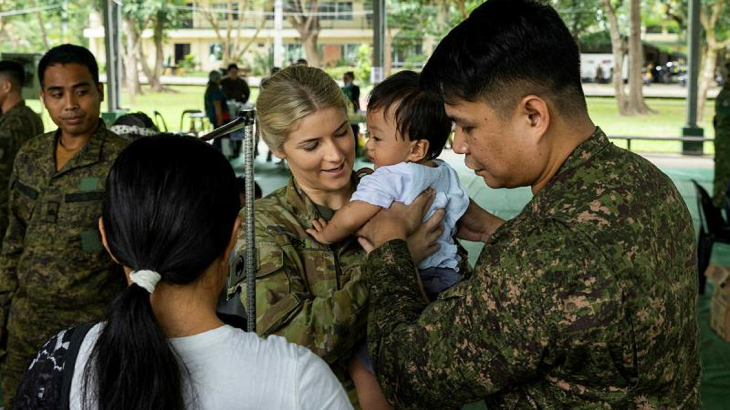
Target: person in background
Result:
[352, 92]
[134, 126]
[216, 105]
[721, 121]
[54, 271]
[302, 62]
[234, 87]
[18, 124]
[170, 219]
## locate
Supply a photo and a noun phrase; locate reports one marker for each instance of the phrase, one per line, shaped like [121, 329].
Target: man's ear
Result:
[536, 114]
[100, 88]
[419, 150]
[103, 241]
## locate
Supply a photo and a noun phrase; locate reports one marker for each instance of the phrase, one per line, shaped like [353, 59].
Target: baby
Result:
[407, 129]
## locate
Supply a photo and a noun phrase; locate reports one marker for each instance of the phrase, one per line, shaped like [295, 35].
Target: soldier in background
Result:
[587, 298]
[721, 121]
[18, 124]
[235, 87]
[54, 271]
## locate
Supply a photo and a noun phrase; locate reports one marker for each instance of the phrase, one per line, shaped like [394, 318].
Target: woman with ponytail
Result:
[169, 218]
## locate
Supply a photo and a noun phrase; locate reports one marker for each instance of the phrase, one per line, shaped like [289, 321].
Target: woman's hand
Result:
[397, 222]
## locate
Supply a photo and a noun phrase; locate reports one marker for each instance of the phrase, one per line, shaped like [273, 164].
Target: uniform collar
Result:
[580, 157]
[583, 153]
[303, 207]
[89, 154]
[15, 107]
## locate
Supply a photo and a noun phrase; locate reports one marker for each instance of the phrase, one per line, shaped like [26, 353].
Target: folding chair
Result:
[713, 228]
[160, 121]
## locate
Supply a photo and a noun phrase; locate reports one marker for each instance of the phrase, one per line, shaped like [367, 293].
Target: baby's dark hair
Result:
[420, 114]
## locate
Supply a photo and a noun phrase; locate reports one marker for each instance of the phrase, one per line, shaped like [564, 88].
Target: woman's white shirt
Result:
[233, 369]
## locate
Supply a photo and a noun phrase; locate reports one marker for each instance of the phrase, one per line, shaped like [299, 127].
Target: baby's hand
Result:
[318, 226]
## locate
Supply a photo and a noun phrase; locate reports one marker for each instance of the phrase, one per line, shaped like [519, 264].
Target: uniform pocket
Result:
[24, 199]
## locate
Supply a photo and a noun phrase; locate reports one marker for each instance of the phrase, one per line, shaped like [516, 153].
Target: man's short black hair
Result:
[69, 54]
[350, 74]
[231, 66]
[14, 71]
[504, 51]
[420, 114]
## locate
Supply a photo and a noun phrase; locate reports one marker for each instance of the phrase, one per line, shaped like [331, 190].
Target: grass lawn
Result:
[668, 120]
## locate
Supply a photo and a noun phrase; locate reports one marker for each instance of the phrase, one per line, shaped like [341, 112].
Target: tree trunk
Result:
[310, 48]
[131, 65]
[41, 23]
[709, 59]
[308, 28]
[154, 80]
[707, 76]
[618, 49]
[637, 105]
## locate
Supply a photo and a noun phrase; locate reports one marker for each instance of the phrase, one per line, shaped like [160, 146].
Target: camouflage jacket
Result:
[586, 299]
[52, 251]
[17, 125]
[309, 293]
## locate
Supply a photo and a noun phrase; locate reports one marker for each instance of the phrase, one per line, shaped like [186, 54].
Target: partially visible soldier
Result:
[18, 124]
[722, 141]
[54, 271]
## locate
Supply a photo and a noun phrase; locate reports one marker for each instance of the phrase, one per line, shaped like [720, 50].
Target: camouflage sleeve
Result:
[485, 333]
[330, 326]
[326, 318]
[12, 248]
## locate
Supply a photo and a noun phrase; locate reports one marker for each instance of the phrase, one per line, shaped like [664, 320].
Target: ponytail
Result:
[132, 365]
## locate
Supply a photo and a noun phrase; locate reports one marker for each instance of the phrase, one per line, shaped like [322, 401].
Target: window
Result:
[181, 50]
[185, 17]
[293, 52]
[215, 52]
[349, 51]
[226, 9]
[336, 11]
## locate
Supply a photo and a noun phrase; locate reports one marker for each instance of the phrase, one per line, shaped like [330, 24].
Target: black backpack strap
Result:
[69, 362]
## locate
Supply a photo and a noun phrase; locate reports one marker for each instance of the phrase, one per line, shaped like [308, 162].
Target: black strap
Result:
[69, 362]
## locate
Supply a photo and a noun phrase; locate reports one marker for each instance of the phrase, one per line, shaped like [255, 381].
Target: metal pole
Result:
[693, 68]
[247, 121]
[278, 33]
[376, 73]
[113, 45]
[249, 145]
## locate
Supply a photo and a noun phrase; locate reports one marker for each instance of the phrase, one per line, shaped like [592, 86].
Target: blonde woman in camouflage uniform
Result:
[310, 293]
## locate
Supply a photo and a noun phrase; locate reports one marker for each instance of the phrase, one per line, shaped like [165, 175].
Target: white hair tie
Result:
[146, 279]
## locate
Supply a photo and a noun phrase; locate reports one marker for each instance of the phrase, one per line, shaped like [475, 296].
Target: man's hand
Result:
[316, 230]
[423, 242]
[397, 222]
[477, 225]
